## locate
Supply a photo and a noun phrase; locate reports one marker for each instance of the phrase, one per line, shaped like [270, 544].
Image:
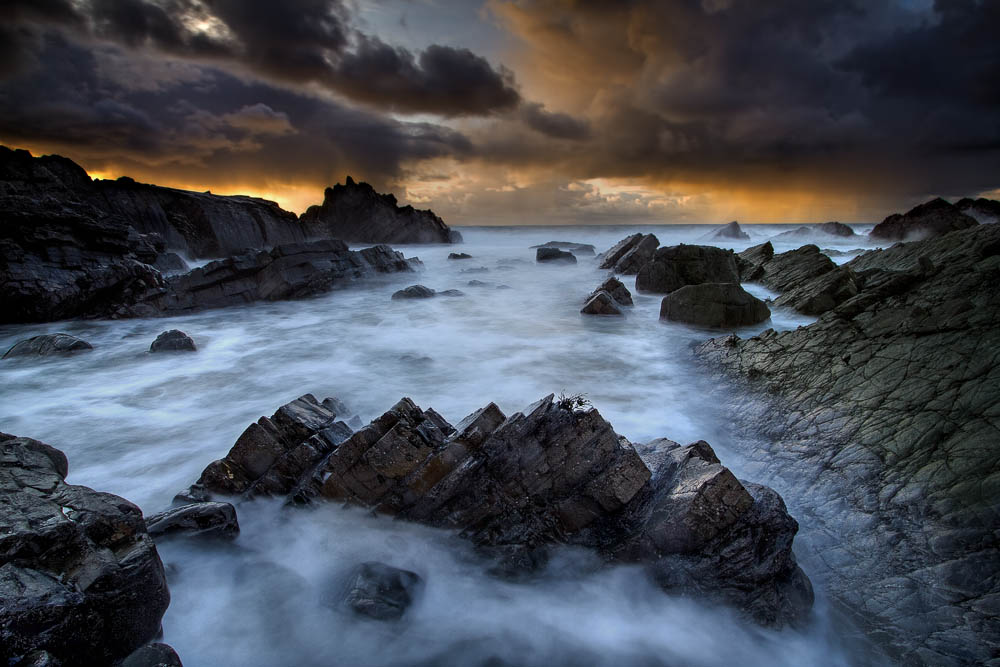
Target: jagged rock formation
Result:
[784, 270]
[80, 578]
[287, 272]
[628, 255]
[822, 293]
[553, 474]
[933, 218]
[730, 231]
[674, 267]
[718, 305]
[600, 303]
[47, 345]
[881, 416]
[355, 213]
[615, 289]
[984, 211]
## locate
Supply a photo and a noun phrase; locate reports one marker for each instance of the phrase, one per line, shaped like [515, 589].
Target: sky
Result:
[521, 111]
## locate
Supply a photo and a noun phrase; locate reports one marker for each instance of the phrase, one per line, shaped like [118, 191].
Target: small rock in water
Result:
[452, 292]
[381, 591]
[414, 292]
[601, 303]
[48, 345]
[208, 519]
[459, 255]
[174, 340]
[575, 248]
[478, 283]
[554, 255]
[616, 289]
[478, 269]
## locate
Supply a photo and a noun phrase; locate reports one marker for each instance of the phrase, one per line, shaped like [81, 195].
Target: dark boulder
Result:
[674, 267]
[616, 289]
[355, 213]
[575, 248]
[637, 256]
[153, 655]
[731, 231]
[610, 257]
[933, 218]
[752, 260]
[718, 305]
[414, 292]
[48, 345]
[803, 233]
[553, 474]
[554, 255]
[600, 303]
[79, 576]
[173, 340]
[206, 519]
[836, 229]
[380, 591]
[790, 269]
[459, 255]
[822, 293]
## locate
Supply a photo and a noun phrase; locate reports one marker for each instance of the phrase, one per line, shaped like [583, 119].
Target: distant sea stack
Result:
[355, 213]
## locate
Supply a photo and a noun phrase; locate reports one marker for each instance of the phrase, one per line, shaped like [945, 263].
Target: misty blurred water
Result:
[144, 426]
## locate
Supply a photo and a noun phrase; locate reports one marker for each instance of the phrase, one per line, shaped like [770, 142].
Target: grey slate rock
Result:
[47, 345]
[611, 256]
[205, 519]
[791, 269]
[616, 289]
[79, 576]
[751, 261]
[600, 303]
[674, 267]
[380, 591]
[554, 255]
[173, 340]
[637, 256]
[717, 305]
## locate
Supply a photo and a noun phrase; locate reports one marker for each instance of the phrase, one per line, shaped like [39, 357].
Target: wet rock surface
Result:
[785, 270]
[616, 290]
[553, 474]
[717, 305]
[414, 292]
[380, 591]
[934, 218]
[630, 254]
[601, 303]
[47, 345]
[555, 255]
[173, 340]
[80, 578]
[822, 293]
[881, 416]
[355, 213]
[674, 267]
[207, 519]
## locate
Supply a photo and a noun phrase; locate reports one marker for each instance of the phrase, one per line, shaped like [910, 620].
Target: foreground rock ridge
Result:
[81, 582]
[882, 416]
[556, 473]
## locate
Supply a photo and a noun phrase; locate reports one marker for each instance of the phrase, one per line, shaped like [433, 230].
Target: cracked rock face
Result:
[673, 267]
[80, 578]
[717, 305]
[883, 417]
[628, 255]
[515, 485]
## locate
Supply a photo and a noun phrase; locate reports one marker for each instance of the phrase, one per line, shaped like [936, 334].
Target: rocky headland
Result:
[882, 417]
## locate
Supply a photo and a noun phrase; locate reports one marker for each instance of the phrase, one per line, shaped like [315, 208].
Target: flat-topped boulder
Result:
[554, 256]
[575, 248]
[47, 345]
[555, 473]
[674, 267]
[880, 417]
[80, 578]
[933, 218]
[355, 213]
[716, 305]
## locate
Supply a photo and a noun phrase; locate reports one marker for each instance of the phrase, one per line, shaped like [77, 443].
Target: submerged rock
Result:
[414, 292]
[80, 578]
[206, 519]
[575, 248]
[48, 345]
[554, 255]
[674, 267]
[600, 303]
[881, 417]
[933, 218]
[718, 305]
[553, 474]
[381, 591]
[731, 231]
[355, 213]
[174, 340]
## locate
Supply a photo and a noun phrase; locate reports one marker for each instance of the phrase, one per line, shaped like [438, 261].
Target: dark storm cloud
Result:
[554, 124]
[295, 42]
[833, 93]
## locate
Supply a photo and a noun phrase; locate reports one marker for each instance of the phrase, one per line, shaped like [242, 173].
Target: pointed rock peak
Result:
[349, 181]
